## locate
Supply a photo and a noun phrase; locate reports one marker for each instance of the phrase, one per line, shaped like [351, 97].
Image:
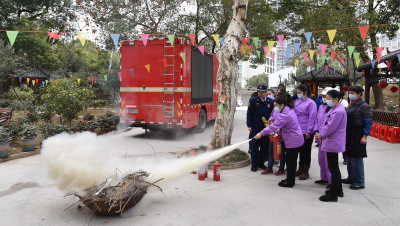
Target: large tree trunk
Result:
[228, 76]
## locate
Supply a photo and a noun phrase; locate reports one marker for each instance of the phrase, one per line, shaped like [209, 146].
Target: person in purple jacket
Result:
[306, 111]
[286, 122]
[322, 160]
[333, 141]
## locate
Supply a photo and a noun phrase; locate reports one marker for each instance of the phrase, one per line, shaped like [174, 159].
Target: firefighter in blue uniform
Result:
[260, 106]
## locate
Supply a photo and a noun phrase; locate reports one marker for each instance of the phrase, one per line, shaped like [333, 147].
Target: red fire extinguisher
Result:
[206, 171]
[217, 171]
[202, 173]
[277, 147]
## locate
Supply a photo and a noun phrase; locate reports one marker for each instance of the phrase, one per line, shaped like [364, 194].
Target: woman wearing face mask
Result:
[322, 160]
[333, 139]
[287, 122]
[359, 126]
[306, 111]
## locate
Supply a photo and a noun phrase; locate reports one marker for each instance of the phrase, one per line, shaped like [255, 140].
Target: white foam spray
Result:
[84, 160]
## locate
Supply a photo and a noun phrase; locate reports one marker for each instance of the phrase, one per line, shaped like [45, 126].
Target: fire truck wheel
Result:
[202, 121]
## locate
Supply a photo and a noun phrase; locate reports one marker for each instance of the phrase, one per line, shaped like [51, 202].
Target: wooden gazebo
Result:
[326, 77]
[37, 73]
[391, 76]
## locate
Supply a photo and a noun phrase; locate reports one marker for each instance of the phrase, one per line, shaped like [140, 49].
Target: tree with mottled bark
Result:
[227, 76]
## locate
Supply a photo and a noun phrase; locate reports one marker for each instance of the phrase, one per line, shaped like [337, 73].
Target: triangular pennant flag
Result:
[47, 82]
[363, 72]
[333, 54]
[311, 51]
[54, 35]
[272, 56]
[43, 83]
[389, 64]
[356, 56]
[288, 54]
[398, 25]
[193, 39]
[308, 37]
[258, 53]
[27, 80]
[373, 64]
[398, 57]
[317, 66]
[358, 62]
[241, 50]
[201, 49]
[351, 50]
[331, 34]
[323, 48]
[341, 60]
[349, 71]
[363, 32]
[371, 71]
[255, 41]
[296, 47]
[266, 51]
[281, 39]
[380, 70]
[82, 37]
[305, 56]
[323, 59]
[120, 76]
[148, 67]
[342, 70]
[79, 81]
[131, 71]
[216, 38]
[105, 78]
[270, 46]
[308, 63]
[297, 62]
[378, 56]
[326, 68]
[379, 50]
[115, 38]
[221, 41]
[20, 80]
[171, 39]
[12, 35]
[33, 82]
[183, 56]
[92, 80]
[221, 108]
[245, 41]
[145, 38]
[334, 70]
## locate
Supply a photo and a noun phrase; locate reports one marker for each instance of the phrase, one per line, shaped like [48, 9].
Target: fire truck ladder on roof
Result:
[169, 80]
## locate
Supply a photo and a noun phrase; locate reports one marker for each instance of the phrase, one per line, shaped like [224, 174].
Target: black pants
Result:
[291, 163]
[305, 152]
[333, 165]
[259, 150]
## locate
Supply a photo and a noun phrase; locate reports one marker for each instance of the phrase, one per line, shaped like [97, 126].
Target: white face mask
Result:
[324, 100]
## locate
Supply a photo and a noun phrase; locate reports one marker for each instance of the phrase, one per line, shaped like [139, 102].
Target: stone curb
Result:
[20, 155]
[234, 165]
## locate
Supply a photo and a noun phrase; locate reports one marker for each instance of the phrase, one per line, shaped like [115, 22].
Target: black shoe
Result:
[340, 194]
[285, 184]
[262, 166]
[356, 187]
[328, 187]
[276, 162]
[328, 198]
[254, 169]
[321, 182]
[345, 162]
[346, 181]
[317, 145]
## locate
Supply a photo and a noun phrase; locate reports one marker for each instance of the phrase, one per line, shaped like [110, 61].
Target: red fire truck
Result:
[164, 91]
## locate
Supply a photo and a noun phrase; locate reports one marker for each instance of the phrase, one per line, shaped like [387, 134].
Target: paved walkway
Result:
[242, 197]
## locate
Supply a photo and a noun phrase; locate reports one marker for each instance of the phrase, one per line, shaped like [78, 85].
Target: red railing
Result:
[386, 118]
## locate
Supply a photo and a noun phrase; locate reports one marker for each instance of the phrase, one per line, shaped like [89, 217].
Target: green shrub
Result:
[32, 116]
[100, 104]
[49, 130]
[29, 131]
[86, 126]
[4, 135]
[14, 127]
[108, 121]
[88, 117]
[25, 93]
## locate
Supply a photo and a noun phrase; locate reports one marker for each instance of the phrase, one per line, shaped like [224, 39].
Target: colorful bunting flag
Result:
[79, 81]
[311, 51]
[47, 82]
[201, 49]
[281, 39]
[272, 56]
[27, 80]
[331, 34]
[373, 64]
[398, 57]
[296, 47]
[323, 48]
[171, 39]
[380, 70]
[323, 59]
[241, 50]
[266, 51]
[145, 38]
[221, 108]
[341, 60]
[183, 56]
[297, 62]
[326, 68]
[270, 46]
[115, 38]
[20, 80]
[351, 50]
[43, 83]
[120, 76]
[54, 35]
[33, 82]
[255, 41]
[105, 78]
[216, 38]
[363, 32]
[308, 64]
[305, 56]
[193, 39]
[334, 70]
[333, 54]
[308, 37]
[131, 71]
[92, 80]
[258, 53]
[12, 35]
[342, 70]
[363, 72]
[148, 67]
[349, 71]
[245, 41]
[398, 25]
[221, 41]
[371, 71]
[356, 56]
[358, 62]
[389, 64]
[379, 53]
[37, 81]
[288, 54]
[82, 37]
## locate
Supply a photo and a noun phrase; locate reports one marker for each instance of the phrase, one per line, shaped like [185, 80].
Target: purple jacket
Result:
[306, 111]
[333, 132]
[291, 131]
[320, 118]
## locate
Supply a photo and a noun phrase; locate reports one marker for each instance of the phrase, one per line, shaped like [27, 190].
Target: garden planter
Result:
[4, 149]
[29, 144]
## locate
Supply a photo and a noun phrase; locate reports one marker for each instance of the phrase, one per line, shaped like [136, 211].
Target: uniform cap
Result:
[261, 88]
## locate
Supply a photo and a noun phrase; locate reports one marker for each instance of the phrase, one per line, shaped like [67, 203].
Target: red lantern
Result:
[382, 85]
[346, 88]
[394, 89]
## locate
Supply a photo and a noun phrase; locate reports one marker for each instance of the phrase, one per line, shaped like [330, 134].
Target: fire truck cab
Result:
[165, 86]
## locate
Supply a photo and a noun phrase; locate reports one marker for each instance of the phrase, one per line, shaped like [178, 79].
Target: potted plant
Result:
[4, 142]
[29, 136]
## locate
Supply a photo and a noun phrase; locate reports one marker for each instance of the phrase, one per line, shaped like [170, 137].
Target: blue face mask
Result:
[330, 103]
[270, 96]
[277, 109]
[300, 96]
[352, 97]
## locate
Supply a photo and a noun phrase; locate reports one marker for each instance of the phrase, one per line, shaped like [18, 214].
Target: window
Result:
[240, 67]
